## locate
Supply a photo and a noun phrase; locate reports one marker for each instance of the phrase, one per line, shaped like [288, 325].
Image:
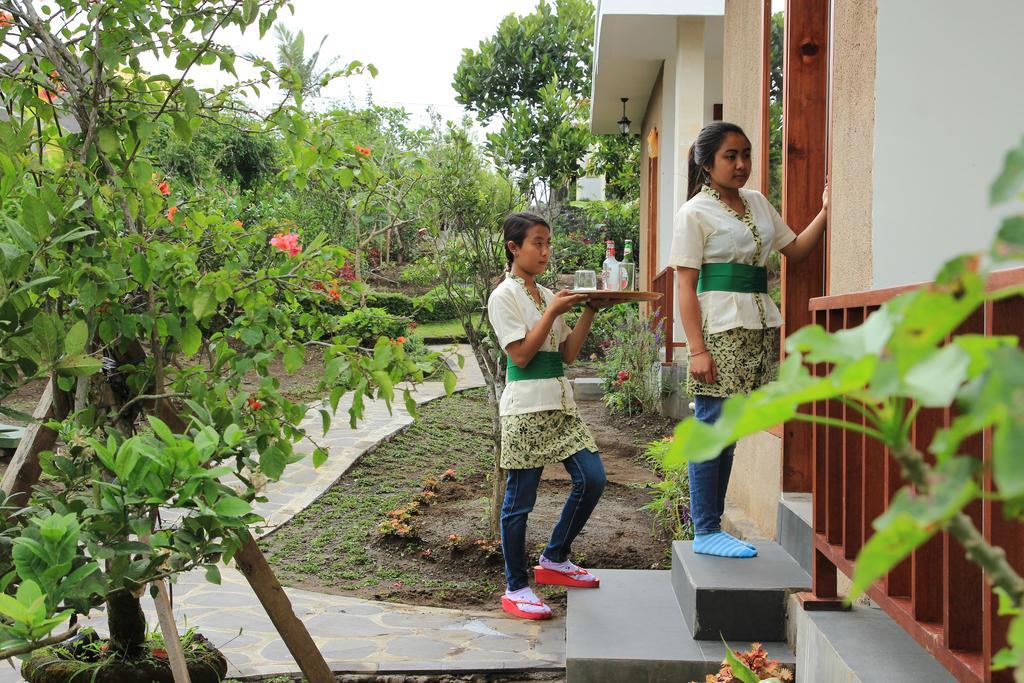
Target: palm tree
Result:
[299, 74]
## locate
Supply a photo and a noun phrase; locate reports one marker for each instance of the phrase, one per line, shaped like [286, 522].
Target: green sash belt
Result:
[545, 365]
[732, 277]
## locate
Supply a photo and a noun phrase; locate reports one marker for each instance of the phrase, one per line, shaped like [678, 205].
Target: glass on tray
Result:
[585, 281]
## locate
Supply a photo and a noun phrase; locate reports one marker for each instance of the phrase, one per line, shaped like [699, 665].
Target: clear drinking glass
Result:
[585, 280]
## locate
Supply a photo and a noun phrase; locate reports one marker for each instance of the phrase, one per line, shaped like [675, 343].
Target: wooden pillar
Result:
[804, 157]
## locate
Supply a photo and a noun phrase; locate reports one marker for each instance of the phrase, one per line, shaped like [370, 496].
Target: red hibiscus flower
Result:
[287, 242]
[171, 212]
[164, 188]
[6, 20]
[365, 151]
[253, 403]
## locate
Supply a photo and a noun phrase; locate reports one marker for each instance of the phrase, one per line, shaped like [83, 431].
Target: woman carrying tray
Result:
[720, 246]
[539, 421]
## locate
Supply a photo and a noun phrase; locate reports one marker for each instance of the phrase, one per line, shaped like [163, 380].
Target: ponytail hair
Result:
[702, 152]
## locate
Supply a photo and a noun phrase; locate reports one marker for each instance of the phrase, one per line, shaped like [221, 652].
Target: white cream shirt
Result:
[708, 231]
[512, 313]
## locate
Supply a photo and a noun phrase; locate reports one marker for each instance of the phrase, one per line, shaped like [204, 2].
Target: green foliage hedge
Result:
[367, 324]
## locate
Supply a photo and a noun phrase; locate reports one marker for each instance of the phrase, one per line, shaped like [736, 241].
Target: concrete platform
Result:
[794, 528]
[587, 389]
[863, 645]
[631, 629]
[738, 599]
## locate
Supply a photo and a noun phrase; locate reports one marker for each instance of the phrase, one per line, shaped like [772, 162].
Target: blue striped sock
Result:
[721, 545]
[740, 541]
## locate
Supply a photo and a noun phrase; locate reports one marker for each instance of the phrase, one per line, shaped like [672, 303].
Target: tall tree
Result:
[300, 76]
[534, 74]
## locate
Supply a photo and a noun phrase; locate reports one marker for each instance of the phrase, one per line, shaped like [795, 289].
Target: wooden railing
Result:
[937, 596]
[664, 311]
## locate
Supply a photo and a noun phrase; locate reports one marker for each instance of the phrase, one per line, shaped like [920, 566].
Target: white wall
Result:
[949, 103]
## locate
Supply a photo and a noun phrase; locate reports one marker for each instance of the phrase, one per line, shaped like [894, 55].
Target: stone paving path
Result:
[355, 635]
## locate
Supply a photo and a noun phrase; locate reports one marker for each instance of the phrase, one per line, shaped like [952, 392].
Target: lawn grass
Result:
[448, 329]
[334, 542]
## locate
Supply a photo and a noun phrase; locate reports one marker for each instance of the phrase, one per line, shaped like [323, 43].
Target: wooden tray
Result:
[620, 296]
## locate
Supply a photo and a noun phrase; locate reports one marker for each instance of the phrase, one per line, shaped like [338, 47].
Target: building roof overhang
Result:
[632, 40]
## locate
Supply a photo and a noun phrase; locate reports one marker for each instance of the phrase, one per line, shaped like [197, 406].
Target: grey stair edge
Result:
[793, 524]
[771, 556]
[738, 598]
[667, 651]
[863, 644]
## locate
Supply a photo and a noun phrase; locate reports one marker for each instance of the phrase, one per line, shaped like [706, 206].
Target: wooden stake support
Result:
[172, 641]
[24, 470]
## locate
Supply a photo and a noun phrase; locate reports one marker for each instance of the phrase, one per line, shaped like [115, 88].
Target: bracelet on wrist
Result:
[699, 353]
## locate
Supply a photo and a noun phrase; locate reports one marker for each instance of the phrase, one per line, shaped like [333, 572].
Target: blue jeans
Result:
[709, 480]
[588, 480]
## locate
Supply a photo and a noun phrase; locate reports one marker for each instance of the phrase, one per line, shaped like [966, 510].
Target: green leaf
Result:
[739, 669]
[935, 381]
[231, 506]
[140, 269]
[181, 128]
[206, 441]
[190, 340]
[450, 380]
[387, 389]
[250, 10]
[35, 218]
[410, 404]
[79, 365]
[1011, 181]
[1007, 462]
[251, 335]
[293, 359]
[76, 339]
[272, 462]
[1011, 232]
[204, 304]
[213, 574]
[319, 457]
[233, 435]
[161, 429]
[325, 420]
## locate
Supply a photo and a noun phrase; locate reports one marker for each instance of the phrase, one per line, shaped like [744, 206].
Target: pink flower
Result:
[288, 242]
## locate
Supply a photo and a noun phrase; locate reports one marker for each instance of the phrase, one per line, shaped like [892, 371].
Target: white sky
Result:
[415, 45]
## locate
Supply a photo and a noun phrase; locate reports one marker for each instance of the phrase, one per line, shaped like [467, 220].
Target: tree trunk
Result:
[491, 373]
[126, 621]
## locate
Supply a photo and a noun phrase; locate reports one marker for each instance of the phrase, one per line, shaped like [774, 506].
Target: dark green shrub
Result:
[367, 324]
[574, 251]
[435, 306]
[394, 303]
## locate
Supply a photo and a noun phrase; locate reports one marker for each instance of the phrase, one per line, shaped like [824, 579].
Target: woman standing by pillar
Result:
[722, 238]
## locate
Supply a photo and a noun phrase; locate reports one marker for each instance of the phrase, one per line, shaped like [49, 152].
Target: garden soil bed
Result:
[336, 545]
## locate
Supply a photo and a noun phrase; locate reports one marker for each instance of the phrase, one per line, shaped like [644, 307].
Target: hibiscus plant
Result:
[155, 317]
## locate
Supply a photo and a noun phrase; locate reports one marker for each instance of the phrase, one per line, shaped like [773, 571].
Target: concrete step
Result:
[588, 389]
[631, 629]
[733, 598]
[863, 645]
[793, 528]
